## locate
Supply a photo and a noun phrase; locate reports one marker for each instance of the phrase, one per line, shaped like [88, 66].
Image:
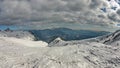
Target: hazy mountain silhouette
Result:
[66, 34]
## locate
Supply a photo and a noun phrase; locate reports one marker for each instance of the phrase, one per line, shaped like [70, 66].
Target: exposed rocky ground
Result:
[111, 39]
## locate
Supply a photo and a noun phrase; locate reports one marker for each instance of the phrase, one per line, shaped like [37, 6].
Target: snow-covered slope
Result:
[89, 53]
[111, 39]
[22, 38]
[18, 34]
[92, 55]
[21, 42]
[57, 42]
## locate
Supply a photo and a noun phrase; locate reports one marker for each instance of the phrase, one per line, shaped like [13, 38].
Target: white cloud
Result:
[26, 12]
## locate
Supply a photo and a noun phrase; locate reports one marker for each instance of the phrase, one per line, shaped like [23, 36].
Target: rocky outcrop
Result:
[113, 38]
[57, 42]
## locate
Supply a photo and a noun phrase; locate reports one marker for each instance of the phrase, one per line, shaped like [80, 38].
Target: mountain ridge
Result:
[48, 35]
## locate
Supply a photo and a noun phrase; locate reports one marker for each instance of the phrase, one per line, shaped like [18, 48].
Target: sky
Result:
[42, 14]
[4, 27]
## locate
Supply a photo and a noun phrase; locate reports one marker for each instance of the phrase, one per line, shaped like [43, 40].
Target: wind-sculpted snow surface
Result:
[92, 55]
[89, 53]
[111, 39]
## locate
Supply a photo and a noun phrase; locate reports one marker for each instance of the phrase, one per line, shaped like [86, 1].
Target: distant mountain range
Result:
[66, 34]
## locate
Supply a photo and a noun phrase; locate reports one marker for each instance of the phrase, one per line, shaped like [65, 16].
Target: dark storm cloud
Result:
[24, 12]
[118, 12]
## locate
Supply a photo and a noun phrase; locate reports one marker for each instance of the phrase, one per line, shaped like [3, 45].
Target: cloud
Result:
[36, 12]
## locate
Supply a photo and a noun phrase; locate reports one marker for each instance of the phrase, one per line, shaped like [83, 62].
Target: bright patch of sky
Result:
[114, 5]
[3, 27]
[13, 27]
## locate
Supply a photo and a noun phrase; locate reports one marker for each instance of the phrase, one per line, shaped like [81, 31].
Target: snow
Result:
[18, 34]
[92, 55]
[22, 42]
[57, 42]
[89, 53]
